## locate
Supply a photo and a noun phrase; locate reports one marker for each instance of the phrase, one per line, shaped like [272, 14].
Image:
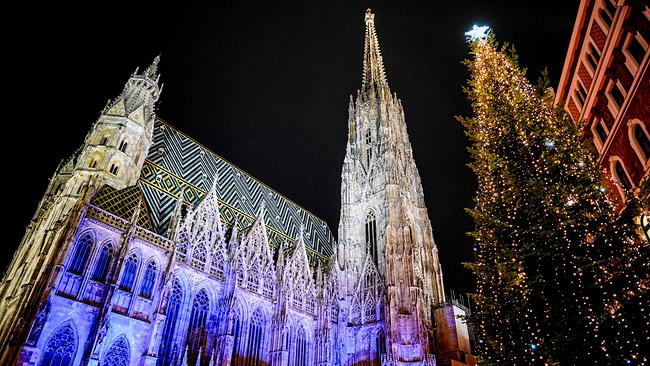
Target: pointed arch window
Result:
[237, 324]
[104, 141]
[118, 354]
[301, 350]
[371, 235]
[621, 176]
[93, 164]
[640, 142]
[102, 263]
[368, 147]
[60, 348]
[148, 280]
[370, 311]
[197, 331]
[168, 351]
[128, 275]
[255, 338]
[380, 346]
[80, 255]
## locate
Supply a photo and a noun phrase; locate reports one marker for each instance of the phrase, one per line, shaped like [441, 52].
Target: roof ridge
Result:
[243, 171]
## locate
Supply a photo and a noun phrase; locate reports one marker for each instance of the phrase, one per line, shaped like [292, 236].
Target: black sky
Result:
[266, 86]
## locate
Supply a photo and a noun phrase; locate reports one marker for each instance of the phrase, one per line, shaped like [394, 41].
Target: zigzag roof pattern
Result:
[176, 163]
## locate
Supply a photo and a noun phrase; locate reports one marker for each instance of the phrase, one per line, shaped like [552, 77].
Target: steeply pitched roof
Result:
[176, 163]
[122, 203]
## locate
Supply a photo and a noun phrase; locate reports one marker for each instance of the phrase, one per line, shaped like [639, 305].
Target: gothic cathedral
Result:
[150, 249]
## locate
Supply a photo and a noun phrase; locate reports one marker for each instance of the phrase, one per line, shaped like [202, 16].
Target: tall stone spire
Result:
[385, 232]
[373, 65]
[152, 70]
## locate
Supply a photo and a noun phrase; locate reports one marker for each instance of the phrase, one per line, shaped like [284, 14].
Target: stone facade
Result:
[147, 249]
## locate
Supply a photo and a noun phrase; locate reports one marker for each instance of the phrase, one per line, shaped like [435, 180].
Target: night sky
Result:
[266, 86]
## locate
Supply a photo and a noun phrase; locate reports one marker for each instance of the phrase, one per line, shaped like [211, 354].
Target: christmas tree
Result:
[562, 278]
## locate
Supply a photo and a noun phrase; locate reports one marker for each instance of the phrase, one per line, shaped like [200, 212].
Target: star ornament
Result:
[477, 32]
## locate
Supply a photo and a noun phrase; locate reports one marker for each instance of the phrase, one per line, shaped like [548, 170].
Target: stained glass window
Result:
[60, 349]
[128, 275]
[255, 338]
[236, 333]
[118, 354]
[148, 280]
[301, 350]
[81, 253]
[174, 301]
[103, 260]
[197, 331]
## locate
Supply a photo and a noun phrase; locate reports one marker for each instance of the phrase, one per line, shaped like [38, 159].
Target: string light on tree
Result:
[561, 277]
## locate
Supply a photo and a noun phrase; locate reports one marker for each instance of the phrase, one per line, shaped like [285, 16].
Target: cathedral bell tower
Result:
[112, 153]
[116, 145]
[383, 215]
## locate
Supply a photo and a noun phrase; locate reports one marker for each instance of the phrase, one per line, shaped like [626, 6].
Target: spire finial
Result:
[152, 70]
[373, 64]
[370, 17]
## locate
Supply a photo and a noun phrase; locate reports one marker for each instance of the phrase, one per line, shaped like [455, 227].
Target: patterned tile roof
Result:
[122, 203]
[176, 162]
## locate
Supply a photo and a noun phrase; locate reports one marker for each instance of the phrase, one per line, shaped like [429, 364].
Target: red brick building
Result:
[605, 87]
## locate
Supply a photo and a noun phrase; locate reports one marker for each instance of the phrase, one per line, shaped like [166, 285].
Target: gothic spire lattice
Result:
[373, 64]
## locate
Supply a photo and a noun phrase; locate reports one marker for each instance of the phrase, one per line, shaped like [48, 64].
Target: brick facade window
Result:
[593, 56]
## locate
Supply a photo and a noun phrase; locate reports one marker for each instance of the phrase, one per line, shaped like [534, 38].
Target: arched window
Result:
[60, 348]
[93, 163]
[380, 346]
[128, 275]
[197, 331]
[103, 261]
[199, 256]
[80, 255]
[104, 141]
[301, 350]
[369, 311]
[148, 280]
[114, 169]
[255, 338]
[237, 324]
[371, 235]
[118, 354]
[368, 147]
[607, 12]
[123, 146]
[621, 176]
[167, 351]
[640, 142]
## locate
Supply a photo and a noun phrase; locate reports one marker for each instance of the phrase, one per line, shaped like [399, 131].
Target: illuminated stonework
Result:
[148, 249]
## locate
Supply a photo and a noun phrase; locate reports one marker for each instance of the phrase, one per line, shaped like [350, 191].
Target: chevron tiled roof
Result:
[176, 162]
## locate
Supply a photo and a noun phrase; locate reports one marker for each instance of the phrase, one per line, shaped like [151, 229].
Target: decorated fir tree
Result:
[562, 278]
